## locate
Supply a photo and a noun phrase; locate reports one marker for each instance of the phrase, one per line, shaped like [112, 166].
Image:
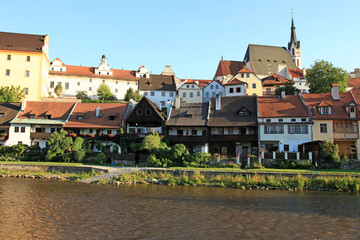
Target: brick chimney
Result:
[335, 92]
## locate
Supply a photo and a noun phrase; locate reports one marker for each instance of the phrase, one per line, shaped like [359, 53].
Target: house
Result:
[36, 121]
[191, 90]
[273, 81]
[227, 70]
[234, 87]
[24, 61]
[232, 126]
[253, 85]
[335, 117]
[355, 92]
[297, 76]
[187, 124]
[97, 121]
[144, 118]
[212, 89]
[8, 112]
[284, 123]
[82, 78]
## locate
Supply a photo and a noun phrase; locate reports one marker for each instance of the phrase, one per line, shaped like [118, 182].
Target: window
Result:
[254, 85]
[221, 131]
[198, 93]
[180, 132]
[163, 94]
[66, 85]
[286, 147]
[112, 117]
[192, 86]
[32, 115]
[128, 83]
[59, 83]
[116, 90]
[91, 130]
[303, 119]
[325, 110]
[90, 80]
[231, 90]
[243, 112]
[27, 73]
[90, 88]
[238, 89]
[230, 131]
[145, 94]
[108, 131]
[268, 90]
[323, 127]
[103, 81]
[281, 120]
[2, 114]
[184, 94]
[8, 57]
[187, 86]
[116, 82]
[207, 94]
[352, 109]
[191, 95]
[171, 94]
[78, 83]
[61, 69]
[297, 129]
[248, 75]
[28, 58]
[242, 75]
[139, 112]
[293, 120]
[274, 129]
[52, 84]
[80, 117]
[152, 94]
[48, 116]
[268, 120]
[162, 103]
[213, 94]
[7, 72]
[26, 91]
[16, 129]
[148, 112]
[216, 86]
[211, 87]
[20, 142]
[22, 129]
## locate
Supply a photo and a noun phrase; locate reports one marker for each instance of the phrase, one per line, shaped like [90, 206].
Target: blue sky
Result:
[191, 36]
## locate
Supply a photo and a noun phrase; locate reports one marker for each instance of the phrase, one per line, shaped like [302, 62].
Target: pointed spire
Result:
[293, 38]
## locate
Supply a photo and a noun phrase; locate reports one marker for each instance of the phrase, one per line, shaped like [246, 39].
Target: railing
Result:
[40, 135]
[343, 135]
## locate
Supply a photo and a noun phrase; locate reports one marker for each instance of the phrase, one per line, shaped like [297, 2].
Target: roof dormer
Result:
[351, 109]
[104, 68]
[142, 72]
[243, 111]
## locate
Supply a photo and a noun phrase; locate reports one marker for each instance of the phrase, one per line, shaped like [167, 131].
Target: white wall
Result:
[211, 90]
[16, 137]
[241, 93]
[158, 97]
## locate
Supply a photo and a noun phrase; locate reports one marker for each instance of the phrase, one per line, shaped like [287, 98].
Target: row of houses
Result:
[227, 125]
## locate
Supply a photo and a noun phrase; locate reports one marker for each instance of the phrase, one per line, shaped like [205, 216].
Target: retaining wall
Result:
[50, 168]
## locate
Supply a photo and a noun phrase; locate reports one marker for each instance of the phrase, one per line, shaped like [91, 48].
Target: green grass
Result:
[41, 163]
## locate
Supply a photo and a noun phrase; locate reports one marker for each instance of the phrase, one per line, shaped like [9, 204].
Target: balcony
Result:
[233, 138]
[187, 139]
[40, 135]
[345, 136]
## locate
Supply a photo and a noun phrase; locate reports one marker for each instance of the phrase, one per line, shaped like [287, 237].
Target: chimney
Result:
[282, 94]
[23, 104]
[335, 92]
[147, 75]
[218, 102]
[177, 102]
[97, 111]
[304, 72]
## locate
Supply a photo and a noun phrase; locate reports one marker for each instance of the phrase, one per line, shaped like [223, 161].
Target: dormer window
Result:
[243, 111]
[80, 117]
[112, 117]
[325, 110]
[48, 116]
[2, 114]
[32, 115]
[352, 109]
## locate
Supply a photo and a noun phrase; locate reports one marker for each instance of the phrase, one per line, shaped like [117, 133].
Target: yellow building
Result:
[253, 83]
[24, 61]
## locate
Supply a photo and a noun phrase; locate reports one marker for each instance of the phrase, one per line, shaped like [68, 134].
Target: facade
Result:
[284, 124]
[335, 117]
[24, 61]
[234, 87]
[36, 121]
[253, 84]
[227, 70]
[82, 78]
[8, 112]
[270, 83]
[191, 91]
[212, 89]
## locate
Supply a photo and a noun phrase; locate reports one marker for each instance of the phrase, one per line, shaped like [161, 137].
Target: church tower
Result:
[294, 46]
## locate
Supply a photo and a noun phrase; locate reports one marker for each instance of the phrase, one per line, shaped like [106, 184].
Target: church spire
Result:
[294, 44]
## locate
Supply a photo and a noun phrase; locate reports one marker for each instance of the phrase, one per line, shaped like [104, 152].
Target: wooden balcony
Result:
[233, 138]
[40, 135]
[187, 139]
[345, 136]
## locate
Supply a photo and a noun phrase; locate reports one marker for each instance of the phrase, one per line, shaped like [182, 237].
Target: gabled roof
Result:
[296, 73]
[157, 83]
[356, 93]
[10, 110]
[111, 115]
[200, 82]
[83, 71]
[272, 107]
[144, 104]
[338, 111]
[217, 81]
[228, 115]
[21, 42]
[265, 59]
[226, 68]
[244, 70]
[234, 81]
[274, 79]
[189, 114]
[325, 104]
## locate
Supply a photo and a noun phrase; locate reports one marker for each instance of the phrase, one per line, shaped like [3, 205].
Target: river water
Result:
[45, 209]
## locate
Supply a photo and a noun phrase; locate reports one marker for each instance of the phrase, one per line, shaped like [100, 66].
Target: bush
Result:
[290, 164]
[79, 156]
[100, 158]
[330, 152]
[152, 161]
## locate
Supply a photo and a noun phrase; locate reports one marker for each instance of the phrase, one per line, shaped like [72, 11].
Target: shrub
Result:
[79, 155]
[330, 152]
[100, 158]
[152, 161]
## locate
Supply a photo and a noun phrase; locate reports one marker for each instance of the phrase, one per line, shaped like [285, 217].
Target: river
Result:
[47, 209]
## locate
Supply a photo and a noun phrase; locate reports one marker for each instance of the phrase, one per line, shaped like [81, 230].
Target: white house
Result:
[235, 87]
[212, 89]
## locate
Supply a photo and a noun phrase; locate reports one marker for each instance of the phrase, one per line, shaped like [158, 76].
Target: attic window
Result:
[2, 114]
[189, 115]
[32, 115]
[277, 80]
[148, 112]
[139, 112]
[325, 110]
[148, 83]
[112, 117]
[352, 109]
[80, 117]
[163, 83]
[275, 61]
[48, 116]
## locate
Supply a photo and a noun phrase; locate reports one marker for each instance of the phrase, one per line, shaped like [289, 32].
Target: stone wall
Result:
[49, 168]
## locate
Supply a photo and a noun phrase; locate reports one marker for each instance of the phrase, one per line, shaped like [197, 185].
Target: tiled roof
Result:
[57, 110]
[228, 68]
[235, 81]
[296, 73]
[158, 83]
[111, 116]
[338, 110]
[58, 59]
[275, 79]
[265, 59]
[354, 82]
[201, 82]
[189, 114]
[228, 115]
[10, 110]
[21, 42]
[356, 93]
[90, 72]
[245, 70]
[291, 106]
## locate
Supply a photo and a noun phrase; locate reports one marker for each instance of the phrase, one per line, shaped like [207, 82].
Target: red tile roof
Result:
[296, 73]
[57, 110]
[87, 111]
[229, 68]
[90, 72]
[275, 79]
[235, 81]
[244, 70]
[291, 106]
[354, 82]
[338, 110]
[201, 82]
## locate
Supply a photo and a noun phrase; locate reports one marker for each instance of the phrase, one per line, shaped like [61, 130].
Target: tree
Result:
[130, 94]
[323, 74]
[58, 90]
[58, 147]
[11, 94]
[82, 95]
[288, 88]
[104, 92]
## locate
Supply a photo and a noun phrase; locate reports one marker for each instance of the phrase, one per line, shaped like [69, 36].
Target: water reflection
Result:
[40, 209]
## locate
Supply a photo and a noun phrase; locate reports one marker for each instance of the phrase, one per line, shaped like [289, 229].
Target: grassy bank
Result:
[299, 182]
[48, 175]
[41, 163]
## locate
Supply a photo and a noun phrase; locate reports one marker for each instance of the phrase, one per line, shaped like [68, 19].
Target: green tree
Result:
[131, 94]
[289, 89]
[82, 95]
[58, 90]
[330, 152]
[58, 147]
[151, 141]
[323, 74]
[78, 144]
[104, 92]
[11, 94]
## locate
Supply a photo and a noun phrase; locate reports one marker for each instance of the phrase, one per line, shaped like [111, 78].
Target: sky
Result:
[191, 36]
